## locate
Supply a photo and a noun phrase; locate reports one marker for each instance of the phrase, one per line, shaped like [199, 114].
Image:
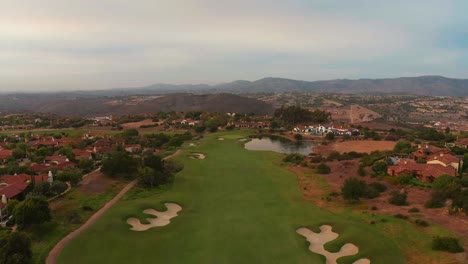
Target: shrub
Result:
[449, 244]
[378, 186]
[361, 170]
[374, 208]
[413, 210]
[398, 198]
[323, 169]
[401, 216]
[295, 158]
[298, 137]
[405, 179]
[353, 189]
[421, 222]
[437, 200]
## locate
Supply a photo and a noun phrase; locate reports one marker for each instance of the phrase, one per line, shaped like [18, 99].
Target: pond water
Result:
[280, 145]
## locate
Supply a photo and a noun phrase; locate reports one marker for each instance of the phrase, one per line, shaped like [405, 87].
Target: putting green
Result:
[239, 206]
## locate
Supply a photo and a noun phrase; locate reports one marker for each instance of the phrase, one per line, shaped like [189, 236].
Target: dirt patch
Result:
[359, 114]
[162, 218]
[95, 182]
[317, 240]
[362, 146]
[146, 122]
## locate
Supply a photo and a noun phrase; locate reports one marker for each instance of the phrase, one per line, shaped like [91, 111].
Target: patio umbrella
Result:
[4, 199]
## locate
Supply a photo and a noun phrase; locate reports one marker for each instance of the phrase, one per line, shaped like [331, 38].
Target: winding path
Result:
[54, 253]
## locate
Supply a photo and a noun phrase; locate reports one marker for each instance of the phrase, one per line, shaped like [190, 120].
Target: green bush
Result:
[295, 158]
[398, 198]
[421, 222]
[413, 210]
[449, 244]
[437, 200]
[378, 186]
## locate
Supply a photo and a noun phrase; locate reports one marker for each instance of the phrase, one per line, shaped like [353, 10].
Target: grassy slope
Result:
[238, 206]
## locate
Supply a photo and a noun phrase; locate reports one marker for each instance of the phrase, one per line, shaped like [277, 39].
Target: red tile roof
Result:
[445, 158]
[5, 153]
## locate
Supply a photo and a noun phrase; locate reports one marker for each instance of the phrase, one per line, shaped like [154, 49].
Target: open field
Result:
[238, 206]
[361, 146]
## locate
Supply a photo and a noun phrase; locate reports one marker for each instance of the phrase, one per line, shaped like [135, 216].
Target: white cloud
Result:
[59, 44]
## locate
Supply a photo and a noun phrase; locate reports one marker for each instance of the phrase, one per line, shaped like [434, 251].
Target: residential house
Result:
[423, 172]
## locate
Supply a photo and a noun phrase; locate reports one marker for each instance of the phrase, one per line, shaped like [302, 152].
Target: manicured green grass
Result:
[73, 203]
[239, 206]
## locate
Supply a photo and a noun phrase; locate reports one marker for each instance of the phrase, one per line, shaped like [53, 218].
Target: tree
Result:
[298, 137]
[15, 248]
[330, 136]
[58, 187]
[86, 165]
[71, 174]
[68, 152]
[402, 147]
[42, 188]
[33, 210]
[119, 164]
[380, 167]
[353, 189]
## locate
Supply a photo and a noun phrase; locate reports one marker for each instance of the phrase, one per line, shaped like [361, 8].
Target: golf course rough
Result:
[239, 206]
[162, 218]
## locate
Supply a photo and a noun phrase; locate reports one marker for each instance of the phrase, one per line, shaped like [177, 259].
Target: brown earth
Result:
[95, 182]
[315, 190]
[146, 122]
[361, 146]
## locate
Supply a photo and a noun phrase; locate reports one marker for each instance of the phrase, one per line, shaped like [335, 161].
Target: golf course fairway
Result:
[239, 206]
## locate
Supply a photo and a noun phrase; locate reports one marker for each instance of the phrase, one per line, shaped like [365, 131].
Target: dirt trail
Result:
[55, 252]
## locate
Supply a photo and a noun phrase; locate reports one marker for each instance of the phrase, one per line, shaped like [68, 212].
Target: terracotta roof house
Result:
[427, 150]
[444, 159]
[12, 186]
[462, 142]
[423, 172]
[81, 154]
[5, 153]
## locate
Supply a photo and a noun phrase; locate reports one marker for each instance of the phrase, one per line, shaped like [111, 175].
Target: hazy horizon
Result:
[55, 45]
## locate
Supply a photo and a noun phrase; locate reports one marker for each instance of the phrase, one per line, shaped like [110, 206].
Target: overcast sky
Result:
[95, 44]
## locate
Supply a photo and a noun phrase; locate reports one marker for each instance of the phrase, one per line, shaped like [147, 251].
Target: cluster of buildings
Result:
[427, 163]
[321, 130]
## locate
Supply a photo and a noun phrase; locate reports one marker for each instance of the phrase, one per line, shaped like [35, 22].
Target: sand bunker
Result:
[317, 240]
[192, 144]
[198, 156]
[163, 218]
[220, 138]
[242, 139]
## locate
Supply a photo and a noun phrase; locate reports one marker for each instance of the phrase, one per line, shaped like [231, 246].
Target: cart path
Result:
[55, 252]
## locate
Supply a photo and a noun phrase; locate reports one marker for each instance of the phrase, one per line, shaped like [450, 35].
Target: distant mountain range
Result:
[68, 106]
[424, 85]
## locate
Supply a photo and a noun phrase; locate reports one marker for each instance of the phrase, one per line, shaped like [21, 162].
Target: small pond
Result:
[280, 145]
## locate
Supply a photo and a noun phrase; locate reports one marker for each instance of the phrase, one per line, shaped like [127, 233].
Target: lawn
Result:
[239, 206]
